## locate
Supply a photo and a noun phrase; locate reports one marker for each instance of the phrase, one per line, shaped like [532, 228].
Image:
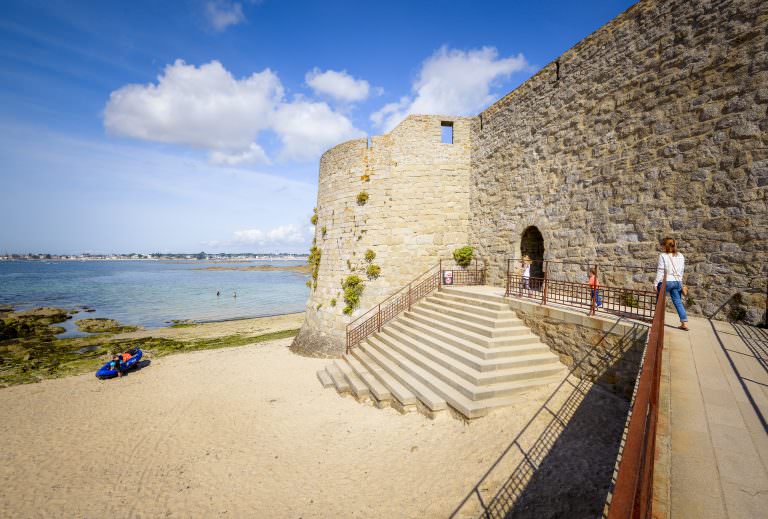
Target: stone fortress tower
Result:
[416, 207]
[654, 125]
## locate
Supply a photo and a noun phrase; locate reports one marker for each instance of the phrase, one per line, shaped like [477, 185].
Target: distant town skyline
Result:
[167, 126]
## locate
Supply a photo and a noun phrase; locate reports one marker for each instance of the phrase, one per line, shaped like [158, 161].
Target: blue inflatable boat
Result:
[106, 371]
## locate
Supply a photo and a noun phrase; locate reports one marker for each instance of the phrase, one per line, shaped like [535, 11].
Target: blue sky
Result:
[198, 124]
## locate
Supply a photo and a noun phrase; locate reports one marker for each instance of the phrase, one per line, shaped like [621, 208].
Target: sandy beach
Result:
[235, 432]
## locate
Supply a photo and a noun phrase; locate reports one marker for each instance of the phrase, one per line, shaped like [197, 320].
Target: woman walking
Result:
[674, 264]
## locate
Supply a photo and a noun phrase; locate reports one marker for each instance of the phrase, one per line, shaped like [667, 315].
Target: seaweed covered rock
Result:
[102, 325]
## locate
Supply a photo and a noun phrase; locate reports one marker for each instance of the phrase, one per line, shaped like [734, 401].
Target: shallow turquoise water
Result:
[152, 293]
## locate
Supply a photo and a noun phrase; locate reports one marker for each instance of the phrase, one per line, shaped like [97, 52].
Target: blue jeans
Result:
[597, 297]
[675, 291]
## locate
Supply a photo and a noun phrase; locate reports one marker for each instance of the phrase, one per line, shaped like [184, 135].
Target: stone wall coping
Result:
[607, 324]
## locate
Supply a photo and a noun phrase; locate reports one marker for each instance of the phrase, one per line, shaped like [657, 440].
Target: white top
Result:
[527, 271]
[675, 265]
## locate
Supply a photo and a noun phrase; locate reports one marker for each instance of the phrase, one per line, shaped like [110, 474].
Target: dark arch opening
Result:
[532, 245]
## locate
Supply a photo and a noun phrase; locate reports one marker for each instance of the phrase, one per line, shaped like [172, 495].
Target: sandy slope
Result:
[238, 432]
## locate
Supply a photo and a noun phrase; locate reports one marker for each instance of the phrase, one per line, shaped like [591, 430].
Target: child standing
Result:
[594, 286]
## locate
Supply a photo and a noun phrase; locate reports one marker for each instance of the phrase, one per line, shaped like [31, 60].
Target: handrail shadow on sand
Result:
[537, 475]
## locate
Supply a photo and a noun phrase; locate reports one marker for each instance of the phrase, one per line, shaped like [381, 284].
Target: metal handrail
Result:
[372, 320]
[546, 288]
[392, 296]
[633, 493]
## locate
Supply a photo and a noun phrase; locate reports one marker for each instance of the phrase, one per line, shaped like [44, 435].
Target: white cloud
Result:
[221, 14]
[338, 85]
[255, 154]
[452, 82]
[280, 236]
[306, 129]
[206, 107]
[201, 106]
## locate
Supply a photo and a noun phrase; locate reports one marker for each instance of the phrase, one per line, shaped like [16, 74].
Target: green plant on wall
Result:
[373, 271]
[353, 288]
[324, 231]
[314, 216]
[370, 255]
[629, 299]
[314, 262]
[333, 302]
[362, 198]
[463, 255]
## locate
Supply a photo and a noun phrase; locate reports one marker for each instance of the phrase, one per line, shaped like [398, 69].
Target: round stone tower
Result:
[405, 197]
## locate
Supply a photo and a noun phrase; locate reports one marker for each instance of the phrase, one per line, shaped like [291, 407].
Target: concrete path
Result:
[715, 436]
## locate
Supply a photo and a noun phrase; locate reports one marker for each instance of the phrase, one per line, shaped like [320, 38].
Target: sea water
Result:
[154, 293]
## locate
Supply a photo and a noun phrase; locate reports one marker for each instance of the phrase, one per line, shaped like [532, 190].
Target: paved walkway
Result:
[713, 448]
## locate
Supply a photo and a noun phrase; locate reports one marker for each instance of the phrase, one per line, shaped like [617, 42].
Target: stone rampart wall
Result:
[603, 350]
[654, 125]
[417, 210]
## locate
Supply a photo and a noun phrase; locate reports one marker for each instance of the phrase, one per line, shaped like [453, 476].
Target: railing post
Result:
[378, 318]
[409, 296]
[440, 274]
[507, 292]
[544, 289]
[476, 273]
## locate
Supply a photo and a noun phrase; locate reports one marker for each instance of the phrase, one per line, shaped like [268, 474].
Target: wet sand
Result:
[254, 326]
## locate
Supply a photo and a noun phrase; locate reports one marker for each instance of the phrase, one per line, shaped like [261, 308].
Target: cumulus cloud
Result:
[221, 14]
[453, 82]
[200, 106]
[206, 107]
[281, 235]
[306, 129]
[338, 85]
[286, 236]
[255, 154]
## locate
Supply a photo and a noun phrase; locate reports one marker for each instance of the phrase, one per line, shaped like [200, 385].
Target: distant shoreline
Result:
[183, 260]
[263, 268]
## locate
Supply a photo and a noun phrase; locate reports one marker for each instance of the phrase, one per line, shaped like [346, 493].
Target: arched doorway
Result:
[532, 245]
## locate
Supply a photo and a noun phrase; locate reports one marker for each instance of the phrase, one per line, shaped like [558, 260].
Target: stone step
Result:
[356, 385]
[503, 313]
[469, 293]
[484, 347]
[341, 384]
[324, 378]
[469, 317]
[457, 399]
[521, 356]
[471, 383]
[469, 331]
[378, 352]
[457, 297]
[401, 394]
[378, 390]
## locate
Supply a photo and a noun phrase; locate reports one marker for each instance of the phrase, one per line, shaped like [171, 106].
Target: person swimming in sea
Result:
[234, 294]
[218, 293]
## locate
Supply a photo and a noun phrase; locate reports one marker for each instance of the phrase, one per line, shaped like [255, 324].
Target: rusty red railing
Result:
[445, 272]
[626, 302]
[633, 493]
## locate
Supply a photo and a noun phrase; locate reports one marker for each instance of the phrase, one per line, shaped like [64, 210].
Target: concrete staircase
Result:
[461, 348]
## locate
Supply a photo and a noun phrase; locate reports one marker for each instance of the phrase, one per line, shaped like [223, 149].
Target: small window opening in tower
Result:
[447, 132]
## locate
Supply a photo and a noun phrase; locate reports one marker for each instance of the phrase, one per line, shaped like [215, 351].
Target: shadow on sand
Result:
[561, 464]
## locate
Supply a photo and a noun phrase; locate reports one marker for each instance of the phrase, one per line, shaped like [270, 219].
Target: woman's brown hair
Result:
[670, 245]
